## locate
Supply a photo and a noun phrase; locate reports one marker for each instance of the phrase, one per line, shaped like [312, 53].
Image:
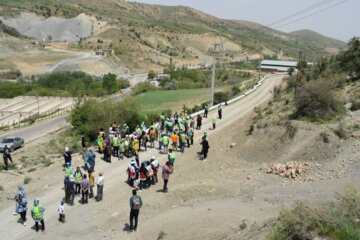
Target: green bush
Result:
[220, 97]
[317, 100]
[142, 88]
[338, 222]
[10, 89]
[92, 115]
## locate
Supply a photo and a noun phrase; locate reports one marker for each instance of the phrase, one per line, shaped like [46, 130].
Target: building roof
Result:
[279, 63]
[282, 69]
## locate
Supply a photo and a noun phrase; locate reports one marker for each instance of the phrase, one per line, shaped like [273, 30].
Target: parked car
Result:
[12, 143]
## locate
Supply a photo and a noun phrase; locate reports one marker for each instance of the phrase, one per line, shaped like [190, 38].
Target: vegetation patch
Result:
[338, 221]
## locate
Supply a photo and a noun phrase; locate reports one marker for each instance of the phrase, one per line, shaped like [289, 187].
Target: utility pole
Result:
[217, 49]
[260, 55]
[299, 68]
[213, 82]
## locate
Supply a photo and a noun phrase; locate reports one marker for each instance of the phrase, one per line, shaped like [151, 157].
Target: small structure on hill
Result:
[104, 52]
[276, 66]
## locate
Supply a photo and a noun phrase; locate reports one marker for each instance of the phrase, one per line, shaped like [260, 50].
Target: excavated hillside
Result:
[146, 36]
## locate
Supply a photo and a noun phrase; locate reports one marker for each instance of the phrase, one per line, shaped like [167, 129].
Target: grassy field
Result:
[172, 99]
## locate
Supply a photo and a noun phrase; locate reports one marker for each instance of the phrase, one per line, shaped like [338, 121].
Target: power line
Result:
[310, 8]
[307, 9]
[312, 14]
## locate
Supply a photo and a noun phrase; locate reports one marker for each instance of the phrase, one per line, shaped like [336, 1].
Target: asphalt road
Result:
[39, 129]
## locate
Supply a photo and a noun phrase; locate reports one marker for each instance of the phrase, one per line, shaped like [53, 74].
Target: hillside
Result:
[317, 39]
[146, 36]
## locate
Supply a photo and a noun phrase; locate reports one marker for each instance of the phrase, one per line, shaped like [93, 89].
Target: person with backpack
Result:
[166, 171]
[37, 213]
[135, 205]
[6, 157]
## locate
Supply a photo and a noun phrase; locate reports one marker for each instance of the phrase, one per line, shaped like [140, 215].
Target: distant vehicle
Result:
[12, 143]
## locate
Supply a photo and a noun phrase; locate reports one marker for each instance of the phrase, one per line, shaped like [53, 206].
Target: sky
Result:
[340, 22]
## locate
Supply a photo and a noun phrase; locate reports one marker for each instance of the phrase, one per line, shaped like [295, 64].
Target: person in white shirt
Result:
[61, 210]
[100, 187]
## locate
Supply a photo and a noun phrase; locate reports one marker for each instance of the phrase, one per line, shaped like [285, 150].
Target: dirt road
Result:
[206, 200]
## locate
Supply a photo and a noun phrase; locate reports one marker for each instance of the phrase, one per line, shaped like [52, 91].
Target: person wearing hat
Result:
[21, 204]
[61, 210]
[100, 187]
[69, 189]
[37, 213]
[67, 156]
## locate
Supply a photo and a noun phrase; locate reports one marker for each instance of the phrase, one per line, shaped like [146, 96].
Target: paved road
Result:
[39, 129]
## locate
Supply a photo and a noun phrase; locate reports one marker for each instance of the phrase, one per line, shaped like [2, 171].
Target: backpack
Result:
[136, 202]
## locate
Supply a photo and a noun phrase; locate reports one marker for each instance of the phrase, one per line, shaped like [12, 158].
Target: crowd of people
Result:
[170, 135]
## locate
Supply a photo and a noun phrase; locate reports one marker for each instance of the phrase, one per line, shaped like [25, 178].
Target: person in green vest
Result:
[116, 145]
[37, 213]
[171, 157]
[78, 177]
[214, 122]
[122, 148]
[183, 139]
[68, 170]
[166, 142]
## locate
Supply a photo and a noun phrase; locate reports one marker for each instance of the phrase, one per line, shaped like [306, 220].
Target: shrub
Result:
[142, 88]
[1, 188]
[341, 131]
[338, 222]
[92, 115]
[220, 97]
[317, 100]
[291, 130]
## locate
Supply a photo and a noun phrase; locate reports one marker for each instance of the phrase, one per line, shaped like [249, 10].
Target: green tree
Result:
[350, 59]
[109, 83]
[151, 75]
